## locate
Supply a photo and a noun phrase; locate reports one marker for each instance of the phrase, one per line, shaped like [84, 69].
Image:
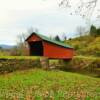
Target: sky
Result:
[18, 16]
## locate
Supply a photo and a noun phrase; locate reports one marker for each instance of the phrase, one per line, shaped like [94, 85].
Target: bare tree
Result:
[32, 29]
[84, 8]
[64, 36]
[81, 30]
[22, 37]
[22, 46]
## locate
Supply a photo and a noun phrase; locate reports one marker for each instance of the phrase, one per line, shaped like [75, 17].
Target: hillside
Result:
[37, 84]
[86, 45]
[4, 46]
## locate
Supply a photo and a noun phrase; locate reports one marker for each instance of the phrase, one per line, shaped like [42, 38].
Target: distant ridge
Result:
[4, 46]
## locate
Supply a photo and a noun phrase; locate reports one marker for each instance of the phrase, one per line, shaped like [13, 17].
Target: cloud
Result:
[27, 4]
[17, 16]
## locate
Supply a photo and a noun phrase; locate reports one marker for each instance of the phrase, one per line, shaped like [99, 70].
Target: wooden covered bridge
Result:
[40, 45]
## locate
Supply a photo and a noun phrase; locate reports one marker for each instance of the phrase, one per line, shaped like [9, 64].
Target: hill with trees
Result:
[88, 45]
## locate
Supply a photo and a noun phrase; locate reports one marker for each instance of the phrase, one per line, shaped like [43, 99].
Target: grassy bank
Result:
[83, 64]
[78, 63]
[13, 63]
[48, 85]
[19, 57]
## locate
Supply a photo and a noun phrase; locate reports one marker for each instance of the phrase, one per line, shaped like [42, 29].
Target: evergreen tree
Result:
[57, 38]
[93, 30]
[98, 31]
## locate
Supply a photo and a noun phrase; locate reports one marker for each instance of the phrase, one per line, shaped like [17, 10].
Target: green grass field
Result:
[38, 84]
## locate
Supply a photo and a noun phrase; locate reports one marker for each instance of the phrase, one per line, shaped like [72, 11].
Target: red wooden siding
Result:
[55, 51]
[34, 38]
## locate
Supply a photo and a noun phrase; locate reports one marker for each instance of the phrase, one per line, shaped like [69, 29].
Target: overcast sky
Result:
[17, 16]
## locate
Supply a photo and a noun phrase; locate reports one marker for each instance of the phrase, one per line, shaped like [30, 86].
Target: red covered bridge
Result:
[40, 45]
